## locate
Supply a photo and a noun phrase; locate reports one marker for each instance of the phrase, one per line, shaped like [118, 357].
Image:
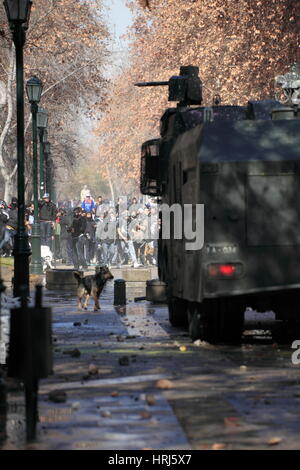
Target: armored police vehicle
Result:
[241, 164]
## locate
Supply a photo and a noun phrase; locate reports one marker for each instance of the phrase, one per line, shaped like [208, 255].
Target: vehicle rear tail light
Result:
[227, 269]
[224, 270]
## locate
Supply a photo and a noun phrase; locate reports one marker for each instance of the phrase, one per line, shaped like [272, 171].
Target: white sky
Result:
[119, 17]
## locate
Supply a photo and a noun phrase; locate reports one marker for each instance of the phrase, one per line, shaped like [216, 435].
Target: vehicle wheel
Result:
[231, 325]
[201, 324]
[217, 321]
[195, 321]
[178, 311]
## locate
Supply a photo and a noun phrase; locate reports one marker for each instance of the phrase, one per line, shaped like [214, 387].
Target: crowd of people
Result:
[89, 232]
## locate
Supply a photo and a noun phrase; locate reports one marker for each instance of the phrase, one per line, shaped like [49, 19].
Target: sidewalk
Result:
[104, 392]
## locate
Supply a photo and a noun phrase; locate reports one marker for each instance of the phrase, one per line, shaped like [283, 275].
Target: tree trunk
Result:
[8, 189]
[110, 184]
[6, 174]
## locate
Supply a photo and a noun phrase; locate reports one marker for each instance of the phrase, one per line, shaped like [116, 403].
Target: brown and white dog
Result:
[92, 286]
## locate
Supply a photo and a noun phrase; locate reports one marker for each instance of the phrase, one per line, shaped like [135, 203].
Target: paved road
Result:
[139, 383]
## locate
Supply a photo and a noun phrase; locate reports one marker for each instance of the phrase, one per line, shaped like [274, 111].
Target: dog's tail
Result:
[77, 276]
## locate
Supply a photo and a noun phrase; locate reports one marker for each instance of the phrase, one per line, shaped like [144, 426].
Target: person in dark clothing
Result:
[100, 207]
[11, 226]
[13, 213]
[101, 221]
[77, 230]
[89, 235]
[66, 237]
[47, 214]
[4, 217]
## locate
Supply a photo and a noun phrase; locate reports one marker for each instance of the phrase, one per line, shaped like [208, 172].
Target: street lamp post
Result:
[47, 146]
[34, 90]
[52, 181]
[18, 13]
[42, 121]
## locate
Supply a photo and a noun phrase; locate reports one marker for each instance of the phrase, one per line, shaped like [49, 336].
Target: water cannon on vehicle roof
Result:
[186, 88]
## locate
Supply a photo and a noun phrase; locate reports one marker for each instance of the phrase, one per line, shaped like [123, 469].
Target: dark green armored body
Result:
[243, 165]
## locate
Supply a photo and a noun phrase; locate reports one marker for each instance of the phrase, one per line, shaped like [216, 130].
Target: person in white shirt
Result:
[84, 193]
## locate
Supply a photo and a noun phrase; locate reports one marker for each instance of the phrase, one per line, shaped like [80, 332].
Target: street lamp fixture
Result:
[42, 118]
[18, 12]
[34, 91]
[42, 121]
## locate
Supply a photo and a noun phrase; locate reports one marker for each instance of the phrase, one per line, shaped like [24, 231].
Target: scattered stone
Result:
[145, 414]
[75, 405]
[232, 421]
[243, 368]
[57, 396]
[93, 369]
[164, 384]
[124, 361]
[73, 352]
[77, 323]
[105, 414]
[203, 344]
[150, 400]
[218, 446]
[120, 339]
[274, 441]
